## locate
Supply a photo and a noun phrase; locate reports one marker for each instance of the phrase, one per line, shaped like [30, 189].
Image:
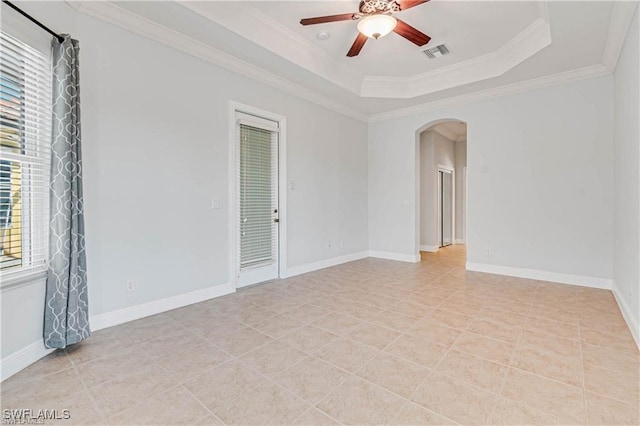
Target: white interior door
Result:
[258, 230]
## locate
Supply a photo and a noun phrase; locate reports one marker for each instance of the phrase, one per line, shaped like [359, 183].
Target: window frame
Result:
[33, 157]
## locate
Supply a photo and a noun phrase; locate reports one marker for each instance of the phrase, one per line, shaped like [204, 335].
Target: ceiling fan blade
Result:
[356, 47]
[330, 18]
[407, 4]
[413, 35]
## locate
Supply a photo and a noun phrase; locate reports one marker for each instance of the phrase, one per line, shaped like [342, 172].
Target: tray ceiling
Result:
[496, 47]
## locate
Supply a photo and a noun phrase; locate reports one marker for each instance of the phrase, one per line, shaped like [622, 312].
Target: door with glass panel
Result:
[446, 207]
[257, 195]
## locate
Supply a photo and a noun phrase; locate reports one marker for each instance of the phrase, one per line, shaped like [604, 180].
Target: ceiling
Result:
[459, 25]
[453, 130]
[496, 47]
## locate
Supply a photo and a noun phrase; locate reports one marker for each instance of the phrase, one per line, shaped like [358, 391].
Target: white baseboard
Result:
[632, 322]
[460, 241]
[110, 319]
[413, 258]
[26, 356]
[326, 263]
[23, 358]
[535, 274]
[434, 249]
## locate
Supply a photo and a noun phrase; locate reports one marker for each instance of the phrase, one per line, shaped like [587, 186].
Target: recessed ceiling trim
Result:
[527, 43]
[591, 71]
[243, 20]
[113, 14]
[621, 18]
[108, 12]
[255, 26]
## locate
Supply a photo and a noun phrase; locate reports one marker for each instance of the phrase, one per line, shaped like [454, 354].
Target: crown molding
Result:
[621, 18]
[591, 71]
[113, 14]
[527, 43]
[266, 32]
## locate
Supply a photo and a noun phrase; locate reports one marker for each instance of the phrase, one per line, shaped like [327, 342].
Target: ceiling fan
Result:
[375, 20]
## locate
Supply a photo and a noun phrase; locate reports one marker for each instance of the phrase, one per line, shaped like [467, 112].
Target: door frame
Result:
[233, 207]
[451, 170]
[464, 204]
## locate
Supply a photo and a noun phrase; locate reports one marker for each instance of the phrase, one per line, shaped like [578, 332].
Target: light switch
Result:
[292, 185]
[215, 203]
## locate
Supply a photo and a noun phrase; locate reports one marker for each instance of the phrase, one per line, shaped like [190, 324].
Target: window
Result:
[25, 151]
[258, 196]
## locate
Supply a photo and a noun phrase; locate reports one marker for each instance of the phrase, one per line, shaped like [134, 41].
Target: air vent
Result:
[436, 52]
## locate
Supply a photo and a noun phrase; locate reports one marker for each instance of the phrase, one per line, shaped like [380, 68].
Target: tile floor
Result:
[368, 342]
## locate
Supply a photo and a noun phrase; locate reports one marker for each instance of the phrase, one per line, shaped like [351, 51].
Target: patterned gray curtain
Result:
[66, 316]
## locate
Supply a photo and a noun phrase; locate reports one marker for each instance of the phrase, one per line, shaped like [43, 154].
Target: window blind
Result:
[25, 151]
[258, 196]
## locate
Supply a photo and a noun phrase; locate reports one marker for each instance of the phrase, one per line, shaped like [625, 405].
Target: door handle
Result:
[276, 220]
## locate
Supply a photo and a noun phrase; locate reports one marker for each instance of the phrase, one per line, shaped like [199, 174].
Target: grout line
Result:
[431, 370]
[144, 400]
[545, 378]
[435, 367]
[506, 375]
[201, 403]
[461, 291]
[269, 379]
[264, 379]
[315, 408]
[85, 389]
[582, 377]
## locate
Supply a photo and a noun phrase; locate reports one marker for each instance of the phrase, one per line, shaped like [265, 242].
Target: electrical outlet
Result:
[131, 285]
[329, 246]
[487, 251]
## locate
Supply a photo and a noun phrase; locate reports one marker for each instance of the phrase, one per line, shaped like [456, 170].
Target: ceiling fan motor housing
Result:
[372, 7]
[375, 20]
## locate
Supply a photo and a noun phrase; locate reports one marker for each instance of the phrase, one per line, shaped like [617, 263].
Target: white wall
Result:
[155, 131]
[626, 234]
[155, 142]
[540, 179]
[428, 209]
[435, 150]
[461, 163]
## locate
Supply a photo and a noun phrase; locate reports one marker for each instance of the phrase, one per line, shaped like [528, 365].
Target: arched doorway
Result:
[441, 190]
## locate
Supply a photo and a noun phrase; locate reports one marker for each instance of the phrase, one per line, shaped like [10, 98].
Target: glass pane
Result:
[10, 214]
[10, 116]
[256, 196]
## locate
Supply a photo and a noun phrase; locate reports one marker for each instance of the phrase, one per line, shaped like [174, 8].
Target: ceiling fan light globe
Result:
[376, 26]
